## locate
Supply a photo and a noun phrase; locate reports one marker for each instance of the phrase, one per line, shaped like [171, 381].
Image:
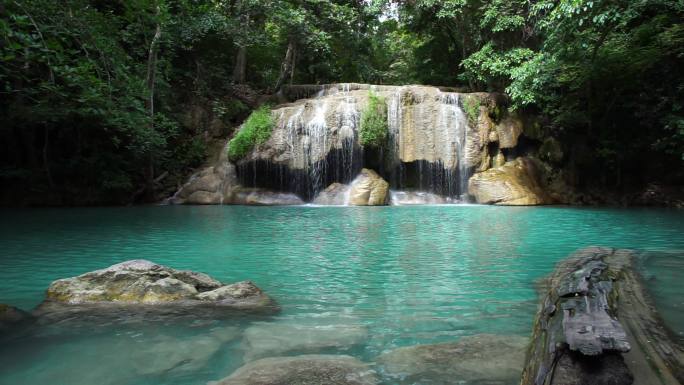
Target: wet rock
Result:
[480, 359]
[369, 189]
[141, 282]
[334, 195]
[212, 185]
[515, 183]
[304, 370]
[302, 336]
[596, 326]
[400, 198]
[261, 197]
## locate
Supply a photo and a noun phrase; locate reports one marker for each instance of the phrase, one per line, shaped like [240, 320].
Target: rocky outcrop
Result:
[478, 359]
[515, 183]
[436, 138]
[595, 311]
[306, 369]
[270, 339]
[369, 189]
[141, 282]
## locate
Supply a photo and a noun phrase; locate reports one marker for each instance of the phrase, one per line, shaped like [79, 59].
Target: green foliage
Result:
[256, 130]
[374, 128]
[471, 105]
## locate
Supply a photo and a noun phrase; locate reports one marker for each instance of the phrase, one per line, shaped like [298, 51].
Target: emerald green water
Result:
[377, 278]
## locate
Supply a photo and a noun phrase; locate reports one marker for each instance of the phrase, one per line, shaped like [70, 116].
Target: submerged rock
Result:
[302, 370]
[10, 315]
[303, 336]
[595, 312]
[165, 354]
[369, 189]
[141, 282]
[515, 183]
[479, 359]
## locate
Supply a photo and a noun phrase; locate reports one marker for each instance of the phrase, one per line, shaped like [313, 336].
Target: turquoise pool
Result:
[380, 278]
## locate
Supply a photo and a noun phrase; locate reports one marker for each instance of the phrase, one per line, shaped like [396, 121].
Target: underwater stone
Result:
[303, 336]
[478, 359]
[10, 315]
[305, 369]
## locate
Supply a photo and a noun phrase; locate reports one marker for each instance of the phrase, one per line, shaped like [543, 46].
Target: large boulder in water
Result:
[479, 359]
[515, 184]
[141, 282]
[304, 370]
[369, 189]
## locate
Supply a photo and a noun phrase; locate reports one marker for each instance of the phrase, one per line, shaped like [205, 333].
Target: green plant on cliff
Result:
[256, 130]
[374, 129]
[471, 105]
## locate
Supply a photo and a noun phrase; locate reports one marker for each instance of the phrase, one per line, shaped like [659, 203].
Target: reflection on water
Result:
[358, 281]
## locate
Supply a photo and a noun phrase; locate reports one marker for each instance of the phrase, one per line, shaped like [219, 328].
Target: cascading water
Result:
[318, 139]
[315, 142]
[427, 143]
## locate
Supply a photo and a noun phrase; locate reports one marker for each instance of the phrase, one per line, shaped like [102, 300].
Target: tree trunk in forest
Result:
[151, 75]
[240, 69]
[286, 68]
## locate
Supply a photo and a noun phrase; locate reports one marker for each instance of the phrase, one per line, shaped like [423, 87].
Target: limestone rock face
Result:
[271, 339]
[369, 189]
[334, 195]
[212, 185]
[508, 130]
[305, 369]
[479, 359]
[515, 183]
[141, 282]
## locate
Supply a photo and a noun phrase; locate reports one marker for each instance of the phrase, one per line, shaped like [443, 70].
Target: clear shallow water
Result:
[380, 278]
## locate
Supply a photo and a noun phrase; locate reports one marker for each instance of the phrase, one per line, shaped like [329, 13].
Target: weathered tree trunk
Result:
[150, 81]
[288, 64]
[240, 69]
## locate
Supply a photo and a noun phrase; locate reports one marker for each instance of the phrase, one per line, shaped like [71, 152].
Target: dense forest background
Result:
[107, 101]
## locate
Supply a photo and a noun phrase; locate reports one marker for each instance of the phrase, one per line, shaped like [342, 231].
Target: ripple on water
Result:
[392, 277]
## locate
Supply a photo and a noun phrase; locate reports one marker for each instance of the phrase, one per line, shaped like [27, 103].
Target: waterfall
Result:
[427, 142]
[315, 142]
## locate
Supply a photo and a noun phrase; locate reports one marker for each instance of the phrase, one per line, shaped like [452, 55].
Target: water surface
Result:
[380, 277]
